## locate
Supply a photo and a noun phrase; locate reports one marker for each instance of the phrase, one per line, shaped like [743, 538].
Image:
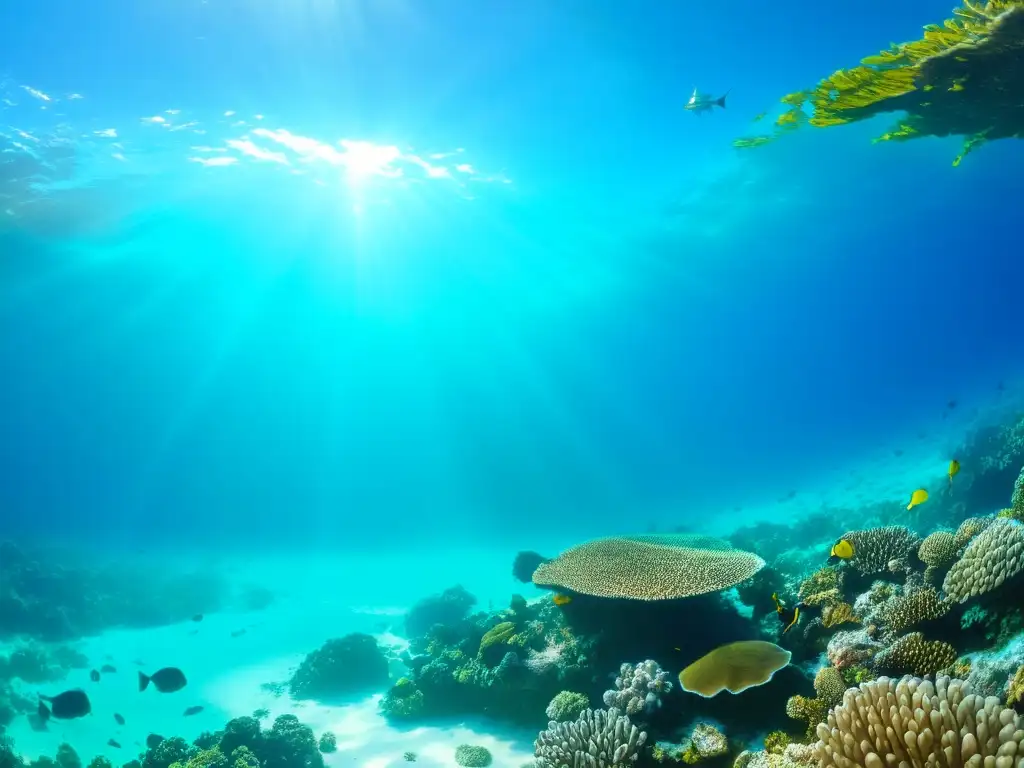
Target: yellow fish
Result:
[561, 599]
[956, 87]
[954, 467]
[788, 616]
[841, 550]
[920, 496]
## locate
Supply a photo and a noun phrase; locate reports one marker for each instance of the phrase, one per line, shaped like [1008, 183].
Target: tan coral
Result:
[970, 528]
[938, 550]
[821, 587]
[876, 549]
[914, 722]
[834, 614]
[913, 655]
[909, 610]
[993, 556]
[830, 686]
[647, 568]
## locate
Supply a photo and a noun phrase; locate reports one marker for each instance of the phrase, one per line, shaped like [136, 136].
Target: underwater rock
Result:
[450, 607]
[348, 664]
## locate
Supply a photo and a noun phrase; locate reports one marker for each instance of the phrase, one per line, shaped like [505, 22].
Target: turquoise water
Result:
[352, 300]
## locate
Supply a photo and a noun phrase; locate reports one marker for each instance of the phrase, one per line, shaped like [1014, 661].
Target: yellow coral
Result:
[775, 743]
[834, 614]
[821, 587]
[1015, 689]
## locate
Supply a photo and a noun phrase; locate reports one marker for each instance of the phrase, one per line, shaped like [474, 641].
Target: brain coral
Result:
[914, 722]
[913, 655]
[905, 611]
[993, 556]
[875, 548]
[648, 567]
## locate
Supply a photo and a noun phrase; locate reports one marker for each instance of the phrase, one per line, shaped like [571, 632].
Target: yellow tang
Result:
[842, 549]
[920, 496]
[954, 467]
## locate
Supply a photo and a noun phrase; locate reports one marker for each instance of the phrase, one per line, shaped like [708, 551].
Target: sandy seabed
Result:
[229, 657]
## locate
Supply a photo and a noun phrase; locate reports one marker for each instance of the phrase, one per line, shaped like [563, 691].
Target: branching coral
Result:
[806, 709]
[845, 649]
[917, 722]
[993, 556]
[648, 567]
[566, 706]
[597, 738]
[834, 614]
[821, 587]
[638, 688]
[913, 655]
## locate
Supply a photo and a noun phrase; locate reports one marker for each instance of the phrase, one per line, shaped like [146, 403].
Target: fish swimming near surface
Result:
[193, 710]
[954, 467]
[65, 706]
[108, 669]
[920, 496]
[841, 550]
[112, 743]
[154, 740]
[119, 719]
[95, 675]
[789, 616]
[702, 102]
[166, 680]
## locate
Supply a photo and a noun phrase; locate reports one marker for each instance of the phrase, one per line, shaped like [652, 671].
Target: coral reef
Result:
[607, 737]
[653, 567]
[340, 666]
[956, 80]
[638, 688]
[913, 655]
[886, 722]
[994, 556]
[887, 549]
[472, 756]
[566, 706]
[49, 596]
[448, 608]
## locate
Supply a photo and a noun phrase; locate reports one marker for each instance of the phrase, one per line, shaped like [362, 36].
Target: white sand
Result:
[226, 673]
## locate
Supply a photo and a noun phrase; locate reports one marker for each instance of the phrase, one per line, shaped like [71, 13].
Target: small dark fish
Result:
[108, 669]
[118, 719]
[153, 741]
[197, 617]
[65, 706]
[238, 632]
[166, 680]
[951, 404]
[193, 710]
[112, 743]
[95, 675]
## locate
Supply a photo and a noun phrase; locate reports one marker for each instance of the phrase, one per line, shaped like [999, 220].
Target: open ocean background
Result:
[608, 317]
[355, 298]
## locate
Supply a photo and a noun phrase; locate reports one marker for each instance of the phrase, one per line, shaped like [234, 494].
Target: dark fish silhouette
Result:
[95, 675]
[112, 743]
[65, 706]
[166, 680]
[153, 741]
[193, 710]
[108, 669]
[118, 719]
[197, 617]
[238, 632]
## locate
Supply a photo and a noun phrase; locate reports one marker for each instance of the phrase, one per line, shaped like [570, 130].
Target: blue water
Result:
[534, 299]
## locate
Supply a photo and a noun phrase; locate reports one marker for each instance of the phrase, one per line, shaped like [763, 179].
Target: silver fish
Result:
[702, 102]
